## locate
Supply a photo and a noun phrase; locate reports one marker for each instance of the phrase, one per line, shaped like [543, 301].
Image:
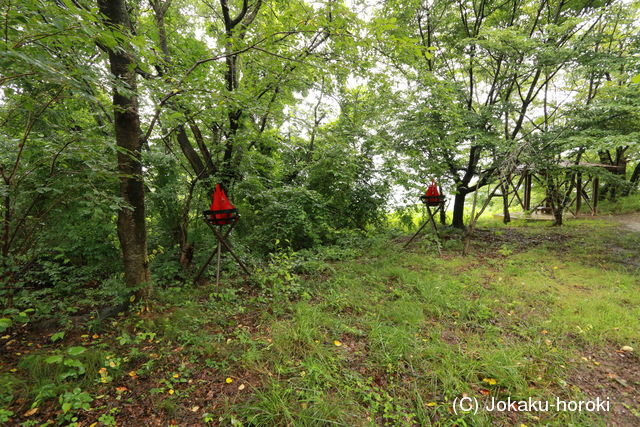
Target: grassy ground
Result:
[376, 335]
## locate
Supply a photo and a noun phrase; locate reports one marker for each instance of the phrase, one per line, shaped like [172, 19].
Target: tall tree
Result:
[132, 231]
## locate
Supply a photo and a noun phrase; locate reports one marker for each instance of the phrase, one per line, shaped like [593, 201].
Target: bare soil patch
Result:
[612, 374]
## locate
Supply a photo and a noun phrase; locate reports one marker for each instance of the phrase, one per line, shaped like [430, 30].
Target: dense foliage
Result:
[117, 119]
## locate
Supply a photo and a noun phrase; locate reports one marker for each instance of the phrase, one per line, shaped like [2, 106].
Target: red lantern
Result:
[221, 211]
[432, 197]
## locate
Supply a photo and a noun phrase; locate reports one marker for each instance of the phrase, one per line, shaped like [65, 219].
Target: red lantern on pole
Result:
[432, 196]
[222, 212]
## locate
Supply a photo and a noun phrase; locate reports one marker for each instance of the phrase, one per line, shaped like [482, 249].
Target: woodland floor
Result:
[376, 335]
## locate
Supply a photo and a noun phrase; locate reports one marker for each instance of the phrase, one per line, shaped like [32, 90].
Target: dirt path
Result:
[629, 221]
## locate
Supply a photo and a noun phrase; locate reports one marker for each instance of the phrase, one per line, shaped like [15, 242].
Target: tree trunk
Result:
[557, 215]
[458, 209]
[635, 178]
[506, 216]
[132, 231]
[556, 201]
[443, 214]
[6, 279]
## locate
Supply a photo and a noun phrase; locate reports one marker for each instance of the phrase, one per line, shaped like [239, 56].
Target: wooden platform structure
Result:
[517, 188]
[531, 217]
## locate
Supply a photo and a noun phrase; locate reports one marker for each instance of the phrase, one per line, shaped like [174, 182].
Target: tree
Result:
[132, 230]
[493, 60]
[250, 68]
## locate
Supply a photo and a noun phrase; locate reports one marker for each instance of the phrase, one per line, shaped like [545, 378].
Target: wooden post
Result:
[228, 248]
[527, 191]
[218, 265]
[431, 221]
[443, 213]
[215, 251]
[578, 193]
[595, 195]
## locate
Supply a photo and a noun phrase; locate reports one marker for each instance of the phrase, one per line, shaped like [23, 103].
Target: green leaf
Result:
[5, 324]
[57, 336]
[65, 407]
[53, 359]
[73, 363]
[75, 351]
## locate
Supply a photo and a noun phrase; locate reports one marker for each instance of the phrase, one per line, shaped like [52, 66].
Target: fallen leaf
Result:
[133, 374]
[121, 389]
[432, 404]
[31, 412]
[485, 392]
[337, 343]
[171, 391]
[241, 387]
[490, 381]
[195, 409]
[627, 348]
[229, 380]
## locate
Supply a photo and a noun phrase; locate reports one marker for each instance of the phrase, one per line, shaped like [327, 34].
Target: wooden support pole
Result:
[578, 193]
[215, 251]
[431, 221]
[595, 195]
[435, 227]
[415, 235]
[218, 265]
[516, 194]
[527, 191]
[228, 248]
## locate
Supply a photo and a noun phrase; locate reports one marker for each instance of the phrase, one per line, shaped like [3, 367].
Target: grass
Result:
[622, 205]
[379, 336]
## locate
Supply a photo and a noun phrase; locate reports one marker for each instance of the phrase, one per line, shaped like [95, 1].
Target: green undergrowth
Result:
[366, 335]
[621, 205]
